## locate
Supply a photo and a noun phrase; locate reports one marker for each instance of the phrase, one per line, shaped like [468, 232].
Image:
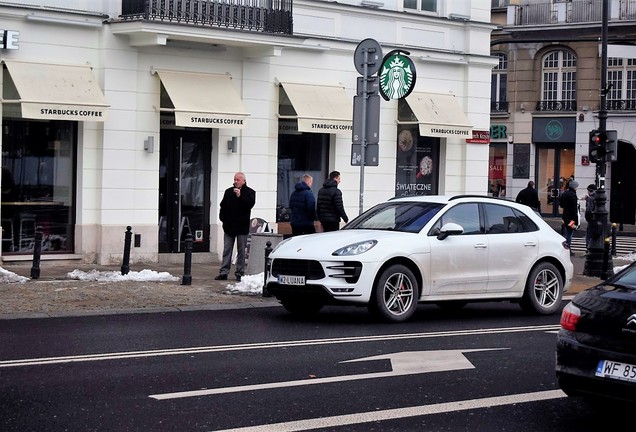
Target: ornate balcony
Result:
[621, 105]
[498, 107]
[269, 16]
[556, 105]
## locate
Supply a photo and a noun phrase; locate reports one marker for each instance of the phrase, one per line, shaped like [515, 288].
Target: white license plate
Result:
[291, 280]
[616, 370]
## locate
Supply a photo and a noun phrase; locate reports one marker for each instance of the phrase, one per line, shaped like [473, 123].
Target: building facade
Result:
[138, 115]
[546, 97]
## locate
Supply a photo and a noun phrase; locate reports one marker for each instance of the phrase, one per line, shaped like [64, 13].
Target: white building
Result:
[114, 116]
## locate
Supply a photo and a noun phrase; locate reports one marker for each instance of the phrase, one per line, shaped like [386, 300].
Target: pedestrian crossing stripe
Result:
[624, 245]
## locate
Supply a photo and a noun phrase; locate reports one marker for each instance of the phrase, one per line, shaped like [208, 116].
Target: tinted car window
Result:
[396, 216]
[465, 215]
[501, 220]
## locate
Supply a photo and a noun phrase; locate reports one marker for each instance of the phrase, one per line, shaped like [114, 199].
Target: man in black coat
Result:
[529, 197]
[235, 213]
[569, 203]
[329, 206]
[303, 207]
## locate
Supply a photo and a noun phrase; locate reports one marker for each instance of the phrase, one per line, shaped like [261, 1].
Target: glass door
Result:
[184, 190]
[555, 167]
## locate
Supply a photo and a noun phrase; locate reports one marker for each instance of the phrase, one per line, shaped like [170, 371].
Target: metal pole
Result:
[37, 253]
[187, 261]
[363, 135]
[597, 253]
[268, 250]
[125, 266]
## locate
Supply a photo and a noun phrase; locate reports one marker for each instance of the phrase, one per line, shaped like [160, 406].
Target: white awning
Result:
[57, 92]
[439, 115]
[321, 108]
[204, 100]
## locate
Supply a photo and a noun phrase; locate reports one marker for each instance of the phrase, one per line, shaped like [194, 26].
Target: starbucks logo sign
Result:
[397, 75]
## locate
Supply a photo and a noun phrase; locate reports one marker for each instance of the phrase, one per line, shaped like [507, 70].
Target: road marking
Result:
[266, 345]
[400, 413]
[402, 363]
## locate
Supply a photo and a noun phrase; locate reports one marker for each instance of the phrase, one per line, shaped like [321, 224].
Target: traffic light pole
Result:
[598, 262]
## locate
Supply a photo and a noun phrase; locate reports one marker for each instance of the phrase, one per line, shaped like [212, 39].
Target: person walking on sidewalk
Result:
[529, 197]
[569, 202]
[329, 207]
[303, 207]
[235, 212]
[590, 231]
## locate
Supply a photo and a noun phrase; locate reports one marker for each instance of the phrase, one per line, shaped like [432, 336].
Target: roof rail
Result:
[454, 197]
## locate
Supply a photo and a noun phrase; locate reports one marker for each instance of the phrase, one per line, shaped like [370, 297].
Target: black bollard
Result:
[187, 262]
[604, 268]
[37, 253]
[268, 250]
[613, 250]
[125, 266]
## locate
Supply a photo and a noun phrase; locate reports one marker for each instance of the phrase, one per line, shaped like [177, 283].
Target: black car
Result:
[596, 345]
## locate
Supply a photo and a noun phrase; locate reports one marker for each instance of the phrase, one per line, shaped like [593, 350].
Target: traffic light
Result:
[597, 145]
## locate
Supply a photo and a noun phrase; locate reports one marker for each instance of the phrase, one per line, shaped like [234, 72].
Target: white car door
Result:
[513, 248]
[459, 263]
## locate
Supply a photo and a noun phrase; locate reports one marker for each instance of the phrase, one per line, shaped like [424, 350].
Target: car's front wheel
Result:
[544, 289]
[395, 295]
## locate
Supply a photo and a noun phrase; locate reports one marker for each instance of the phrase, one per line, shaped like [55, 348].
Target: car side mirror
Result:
[450, 229]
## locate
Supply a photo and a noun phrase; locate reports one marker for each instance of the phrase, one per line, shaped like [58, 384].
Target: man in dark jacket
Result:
[569, 202]
[303, 207]
[236, 208]
[329, 206]
[529, 197]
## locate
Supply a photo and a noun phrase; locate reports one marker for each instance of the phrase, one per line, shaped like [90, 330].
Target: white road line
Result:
[399, 413]
[267, 345]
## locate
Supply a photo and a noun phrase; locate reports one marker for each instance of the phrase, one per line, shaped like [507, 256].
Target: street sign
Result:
[372, 85]
[374, 57]
[372, 120]
[371, 155]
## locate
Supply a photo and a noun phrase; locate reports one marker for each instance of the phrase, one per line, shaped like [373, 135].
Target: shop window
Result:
[417, 162]
[497, 162]
[38, 178]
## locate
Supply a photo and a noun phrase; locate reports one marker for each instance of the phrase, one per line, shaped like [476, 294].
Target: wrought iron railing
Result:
[498, 107]
[269, 16]
[556, 105]
[621, 105]
[576, 11]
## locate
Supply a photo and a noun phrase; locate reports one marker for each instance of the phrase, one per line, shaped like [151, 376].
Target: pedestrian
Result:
[303, 207]
[589, 214]
[329, 207]
[569, 202]
[235, 211]
[529, 197]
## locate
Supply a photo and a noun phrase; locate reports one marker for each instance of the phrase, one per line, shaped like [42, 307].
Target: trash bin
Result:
[256, 260]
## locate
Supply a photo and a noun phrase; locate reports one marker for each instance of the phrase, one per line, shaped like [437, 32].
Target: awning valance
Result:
[439, 115]
[321, 108]
[204, 100]
[56, 92]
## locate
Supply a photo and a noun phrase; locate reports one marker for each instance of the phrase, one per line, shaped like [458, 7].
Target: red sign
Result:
[479, 137]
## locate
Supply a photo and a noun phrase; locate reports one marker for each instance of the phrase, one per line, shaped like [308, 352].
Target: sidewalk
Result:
[53, 294]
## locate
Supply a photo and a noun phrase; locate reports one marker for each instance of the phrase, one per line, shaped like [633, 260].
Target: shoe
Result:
[221, 277]
[238, 278]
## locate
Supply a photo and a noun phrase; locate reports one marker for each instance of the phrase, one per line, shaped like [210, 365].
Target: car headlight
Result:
[356, 248]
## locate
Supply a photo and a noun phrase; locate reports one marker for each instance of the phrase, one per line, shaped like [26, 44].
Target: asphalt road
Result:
[486, 367]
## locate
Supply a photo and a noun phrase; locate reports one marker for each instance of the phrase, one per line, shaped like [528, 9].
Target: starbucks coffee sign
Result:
[397, 75]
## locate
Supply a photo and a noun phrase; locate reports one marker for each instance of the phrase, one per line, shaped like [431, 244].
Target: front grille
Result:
[312, 270]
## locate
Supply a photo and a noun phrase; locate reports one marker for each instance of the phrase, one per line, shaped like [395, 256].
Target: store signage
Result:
[9, 39]
[498, 132]
[397, 75]
[554, 130]
[479, 137]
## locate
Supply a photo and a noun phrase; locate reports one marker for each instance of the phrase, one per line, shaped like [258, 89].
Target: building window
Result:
[421, 5]
[558, 82]
[621, 81]
[499, 85]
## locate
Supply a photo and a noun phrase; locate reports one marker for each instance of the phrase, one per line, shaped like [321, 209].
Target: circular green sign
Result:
[397, 75]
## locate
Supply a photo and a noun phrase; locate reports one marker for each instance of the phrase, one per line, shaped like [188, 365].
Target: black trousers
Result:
[330, 226]
[302, 229]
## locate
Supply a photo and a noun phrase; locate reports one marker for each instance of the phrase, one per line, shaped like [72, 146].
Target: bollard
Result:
[125, 266]
[37, 253]
[605, 258]
[268, 250]
[187, 261]
[613, 250]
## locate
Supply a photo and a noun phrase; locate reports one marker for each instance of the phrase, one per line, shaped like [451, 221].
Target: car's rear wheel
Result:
[544, 290]
[302, 308]
[394, 297]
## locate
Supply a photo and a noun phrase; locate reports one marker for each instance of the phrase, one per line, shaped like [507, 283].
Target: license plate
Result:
[291, 280]
[616, 370]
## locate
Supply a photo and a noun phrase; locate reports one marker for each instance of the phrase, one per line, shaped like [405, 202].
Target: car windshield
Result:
[396, 216]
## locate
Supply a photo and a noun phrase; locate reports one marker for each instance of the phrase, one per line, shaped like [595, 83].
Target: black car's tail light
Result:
[570, 317]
